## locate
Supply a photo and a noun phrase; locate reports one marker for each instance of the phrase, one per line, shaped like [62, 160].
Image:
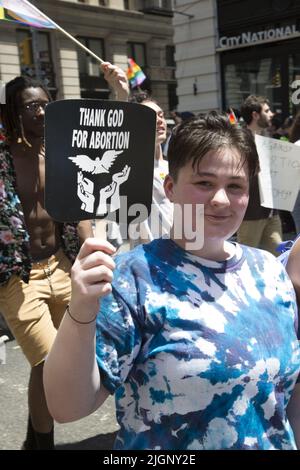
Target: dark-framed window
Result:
[137, 52]
[87, 64]
[92, 82]
[267, 70]
[170, 56]
[172, 96]
[36, 57]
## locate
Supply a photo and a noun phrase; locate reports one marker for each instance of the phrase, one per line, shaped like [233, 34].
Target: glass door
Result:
[260, 76]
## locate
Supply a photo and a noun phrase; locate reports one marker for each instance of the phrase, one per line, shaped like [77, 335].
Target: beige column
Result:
[117, 50]
[67, 70]
[9, 55]
[117, 4]
[160, 94]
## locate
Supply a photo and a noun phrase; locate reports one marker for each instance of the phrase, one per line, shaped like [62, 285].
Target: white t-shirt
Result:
[161, 218]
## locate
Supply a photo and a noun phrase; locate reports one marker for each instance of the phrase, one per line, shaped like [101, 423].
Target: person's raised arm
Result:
[117, 80]
[71, 375]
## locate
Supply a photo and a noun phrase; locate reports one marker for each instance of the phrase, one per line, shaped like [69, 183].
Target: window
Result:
[24, 41]
[137, 52]
[261, 76]
[92, 82]
[267, 70]
[87, 64]
[35, 57]
[172, 96]
[170, 59]
[44, 54]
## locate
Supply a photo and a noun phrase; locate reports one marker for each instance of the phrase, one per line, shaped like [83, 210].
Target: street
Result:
[95, 432]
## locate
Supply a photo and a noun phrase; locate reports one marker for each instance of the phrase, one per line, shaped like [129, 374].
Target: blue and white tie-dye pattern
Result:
[285, 249]
[200, 354]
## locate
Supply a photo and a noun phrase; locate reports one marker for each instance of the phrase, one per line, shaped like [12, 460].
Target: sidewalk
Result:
[95, 432]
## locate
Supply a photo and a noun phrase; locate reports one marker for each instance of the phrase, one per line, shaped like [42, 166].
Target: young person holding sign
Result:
[36, 251]
[195, 337]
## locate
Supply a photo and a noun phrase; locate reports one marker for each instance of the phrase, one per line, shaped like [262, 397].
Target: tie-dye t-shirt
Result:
[199, 354]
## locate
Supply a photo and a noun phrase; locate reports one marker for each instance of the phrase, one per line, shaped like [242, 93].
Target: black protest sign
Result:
[99, 159]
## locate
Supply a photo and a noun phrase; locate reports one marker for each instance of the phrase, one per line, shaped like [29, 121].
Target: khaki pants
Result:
[263, 233]
[34, 311]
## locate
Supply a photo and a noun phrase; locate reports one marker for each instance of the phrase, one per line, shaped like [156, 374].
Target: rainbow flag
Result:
[232, 117]
[135, 74]
[24, 12]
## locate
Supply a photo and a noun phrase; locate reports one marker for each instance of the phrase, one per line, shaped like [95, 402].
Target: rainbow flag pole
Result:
[24, 12]
[232, 117]
[135, 74]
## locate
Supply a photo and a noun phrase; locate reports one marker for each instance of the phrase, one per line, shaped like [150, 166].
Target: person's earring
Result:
[23, 138]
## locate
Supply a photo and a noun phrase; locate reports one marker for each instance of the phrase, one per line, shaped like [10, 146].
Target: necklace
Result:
[47, 272]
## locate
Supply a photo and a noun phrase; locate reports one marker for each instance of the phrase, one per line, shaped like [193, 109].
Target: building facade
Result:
[197, 66]
[113, 29]
[259, 51]
[228, 49]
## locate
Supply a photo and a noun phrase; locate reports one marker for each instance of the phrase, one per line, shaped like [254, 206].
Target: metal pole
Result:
[65, 32]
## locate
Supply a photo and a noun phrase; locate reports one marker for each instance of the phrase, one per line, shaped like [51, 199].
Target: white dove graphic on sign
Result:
[98, 165]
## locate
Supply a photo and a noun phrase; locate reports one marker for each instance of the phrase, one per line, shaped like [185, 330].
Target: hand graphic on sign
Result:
[113, 191]
[118, 178]
[105, 194]
[85, 189]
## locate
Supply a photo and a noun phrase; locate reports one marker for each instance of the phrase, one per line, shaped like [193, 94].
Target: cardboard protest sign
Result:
[99, 159]
[279, 178]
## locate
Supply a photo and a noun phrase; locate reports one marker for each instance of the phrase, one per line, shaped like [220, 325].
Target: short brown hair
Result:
[252, 103]
[192, 140]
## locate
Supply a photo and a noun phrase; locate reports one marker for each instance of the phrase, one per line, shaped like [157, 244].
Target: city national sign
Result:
[250, 37]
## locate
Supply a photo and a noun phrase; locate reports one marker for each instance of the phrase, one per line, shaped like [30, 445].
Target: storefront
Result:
[259, 47]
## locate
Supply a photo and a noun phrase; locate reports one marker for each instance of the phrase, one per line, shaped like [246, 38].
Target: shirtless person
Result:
[36, 252]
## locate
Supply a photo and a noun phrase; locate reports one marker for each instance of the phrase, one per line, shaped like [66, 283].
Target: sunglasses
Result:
[34, 106]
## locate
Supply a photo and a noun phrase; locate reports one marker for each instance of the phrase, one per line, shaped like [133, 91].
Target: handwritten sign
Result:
[279, 178]
[99, 158]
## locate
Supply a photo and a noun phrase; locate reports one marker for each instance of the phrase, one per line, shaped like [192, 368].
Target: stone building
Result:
[112, 29]
[228, 49]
